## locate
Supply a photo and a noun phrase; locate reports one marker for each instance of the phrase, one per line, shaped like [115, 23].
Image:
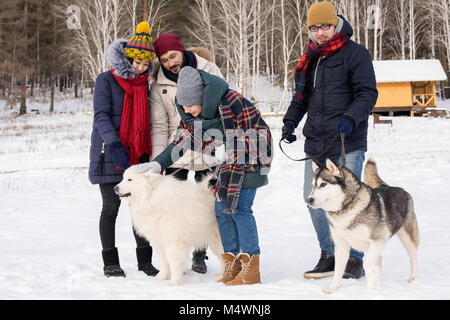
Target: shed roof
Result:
[409, 70]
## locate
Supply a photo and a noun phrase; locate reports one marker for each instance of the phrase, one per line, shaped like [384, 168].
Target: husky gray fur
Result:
[363, 216]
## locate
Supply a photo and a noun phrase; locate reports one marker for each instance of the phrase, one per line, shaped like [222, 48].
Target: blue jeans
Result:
[354, 162]
[238, 231]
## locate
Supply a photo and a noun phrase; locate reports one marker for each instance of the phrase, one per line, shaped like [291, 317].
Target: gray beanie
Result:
[190, 87]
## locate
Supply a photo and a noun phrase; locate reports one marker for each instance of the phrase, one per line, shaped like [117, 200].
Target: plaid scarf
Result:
[238, 116]
[313, 52]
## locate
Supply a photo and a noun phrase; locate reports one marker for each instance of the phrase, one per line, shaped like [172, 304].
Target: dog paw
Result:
[372, 283]
[412, 278]
[372, 276]
[161, 276]
[176, 282]
[330, 290]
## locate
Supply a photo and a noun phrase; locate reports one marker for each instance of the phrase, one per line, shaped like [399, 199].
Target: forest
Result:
[58, 46]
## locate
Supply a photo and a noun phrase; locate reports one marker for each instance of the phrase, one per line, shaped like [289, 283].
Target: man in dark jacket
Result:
[335, 84]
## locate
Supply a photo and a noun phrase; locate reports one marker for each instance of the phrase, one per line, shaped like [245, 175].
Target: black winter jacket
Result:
[108, 105]
[344, 86]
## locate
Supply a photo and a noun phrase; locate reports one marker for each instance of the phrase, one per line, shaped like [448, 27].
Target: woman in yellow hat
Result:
[121, 136]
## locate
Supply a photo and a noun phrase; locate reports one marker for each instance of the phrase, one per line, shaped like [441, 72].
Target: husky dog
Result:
[174, 216]
[363, 216]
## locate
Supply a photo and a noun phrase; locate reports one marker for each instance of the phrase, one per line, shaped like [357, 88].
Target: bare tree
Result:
[412, 35]
[97, 27]
[442, 16]
[17, 48]
[53, 68]
[235, 20]
[256, 47]
[157, 18]
[131, 8]
[101, 22]
[380, 26]
[288, 42]
[399, 9]
[432, 24]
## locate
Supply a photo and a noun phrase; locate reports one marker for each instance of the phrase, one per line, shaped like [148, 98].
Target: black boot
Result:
[198, 261]
[144, 258]
[354, 268]
[324, 268]
[111, 261]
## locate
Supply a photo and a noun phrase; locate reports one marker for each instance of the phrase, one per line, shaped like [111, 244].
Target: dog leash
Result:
[342, 135]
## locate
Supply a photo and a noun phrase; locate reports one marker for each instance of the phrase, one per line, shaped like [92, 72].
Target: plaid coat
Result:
[252, 146]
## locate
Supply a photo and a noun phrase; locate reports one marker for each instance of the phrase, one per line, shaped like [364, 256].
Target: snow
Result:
[50, 246]
[408, 70]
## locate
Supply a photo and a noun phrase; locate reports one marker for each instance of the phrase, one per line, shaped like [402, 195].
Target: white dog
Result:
[174, 216]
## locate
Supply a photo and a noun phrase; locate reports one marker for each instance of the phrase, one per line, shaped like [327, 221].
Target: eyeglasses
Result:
[324, 27]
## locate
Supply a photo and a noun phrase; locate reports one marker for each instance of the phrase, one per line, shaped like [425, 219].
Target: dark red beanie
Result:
[166, 42]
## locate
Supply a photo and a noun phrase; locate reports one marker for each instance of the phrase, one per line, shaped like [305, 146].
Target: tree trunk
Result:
[412, 53]
[23, 82]
[52, 72]
[75, 87]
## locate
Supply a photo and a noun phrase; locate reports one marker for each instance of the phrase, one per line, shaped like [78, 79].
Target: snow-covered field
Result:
[50, 246]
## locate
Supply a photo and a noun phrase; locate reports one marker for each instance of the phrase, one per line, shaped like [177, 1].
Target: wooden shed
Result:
[407, 85]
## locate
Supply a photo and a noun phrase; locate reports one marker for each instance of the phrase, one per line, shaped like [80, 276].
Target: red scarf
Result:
[313, 52]
[135, 122]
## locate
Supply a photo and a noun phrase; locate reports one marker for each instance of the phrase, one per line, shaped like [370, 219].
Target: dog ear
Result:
[333, 168]
[315, 166]
[152, 179]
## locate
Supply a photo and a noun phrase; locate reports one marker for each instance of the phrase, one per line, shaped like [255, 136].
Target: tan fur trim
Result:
[202, 52]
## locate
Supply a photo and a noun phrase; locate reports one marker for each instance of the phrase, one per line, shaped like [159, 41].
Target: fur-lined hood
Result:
[115, 57]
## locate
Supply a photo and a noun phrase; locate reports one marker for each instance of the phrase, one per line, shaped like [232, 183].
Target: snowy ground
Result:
[50, 247]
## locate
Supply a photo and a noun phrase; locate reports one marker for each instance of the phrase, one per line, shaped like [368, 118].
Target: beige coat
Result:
[164, 117]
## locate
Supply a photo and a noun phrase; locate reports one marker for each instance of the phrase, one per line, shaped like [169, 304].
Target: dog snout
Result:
[310, 201]
[116, 189]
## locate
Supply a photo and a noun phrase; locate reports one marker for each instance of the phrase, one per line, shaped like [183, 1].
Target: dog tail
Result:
[371, 176]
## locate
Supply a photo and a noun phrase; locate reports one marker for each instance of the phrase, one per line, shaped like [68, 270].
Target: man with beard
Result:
[164, 117]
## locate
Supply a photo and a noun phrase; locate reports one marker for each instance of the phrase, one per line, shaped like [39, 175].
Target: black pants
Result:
[110, 208]
[183, 174]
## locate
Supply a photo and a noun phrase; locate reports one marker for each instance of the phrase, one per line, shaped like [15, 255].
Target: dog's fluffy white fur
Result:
[174, 216]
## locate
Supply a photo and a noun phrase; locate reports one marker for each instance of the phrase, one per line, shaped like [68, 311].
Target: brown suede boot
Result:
[249, 271]
[232, 266]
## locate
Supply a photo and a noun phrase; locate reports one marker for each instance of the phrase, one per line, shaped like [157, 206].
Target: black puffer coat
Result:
[344, 86]
[108, 105]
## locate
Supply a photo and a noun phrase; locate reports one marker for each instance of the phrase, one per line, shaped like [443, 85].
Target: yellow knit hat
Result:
[140, 46]
[322, 13]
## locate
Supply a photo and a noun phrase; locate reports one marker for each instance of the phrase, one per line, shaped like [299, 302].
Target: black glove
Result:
[119, 155]
[346, 125]
[287, 132]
